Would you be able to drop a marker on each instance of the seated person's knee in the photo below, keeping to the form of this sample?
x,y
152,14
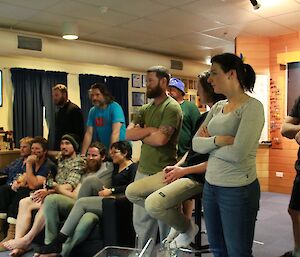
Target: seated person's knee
x,y
153,205
25,203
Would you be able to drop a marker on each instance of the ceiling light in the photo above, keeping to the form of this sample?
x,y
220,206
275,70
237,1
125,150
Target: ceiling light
x,y
255,4
70,31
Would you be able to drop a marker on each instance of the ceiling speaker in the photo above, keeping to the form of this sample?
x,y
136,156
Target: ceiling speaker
x,y
30,43
176,65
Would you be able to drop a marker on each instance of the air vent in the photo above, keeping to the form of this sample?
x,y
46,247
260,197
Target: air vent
x,y
30,43
176,65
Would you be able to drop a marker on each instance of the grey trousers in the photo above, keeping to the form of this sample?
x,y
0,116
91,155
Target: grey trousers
x,y
56,209
145,226
165,203
81,215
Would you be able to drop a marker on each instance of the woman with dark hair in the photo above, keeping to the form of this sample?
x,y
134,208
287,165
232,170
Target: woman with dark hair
x,y
230,135
176,184
122,175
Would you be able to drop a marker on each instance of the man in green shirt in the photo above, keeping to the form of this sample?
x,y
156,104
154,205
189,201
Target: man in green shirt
x,y
157,125
191,116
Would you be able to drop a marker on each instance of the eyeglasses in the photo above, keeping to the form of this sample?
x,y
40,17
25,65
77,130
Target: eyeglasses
x,y
114,152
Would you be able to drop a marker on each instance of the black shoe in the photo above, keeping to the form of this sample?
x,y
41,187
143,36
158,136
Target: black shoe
x,y
288,254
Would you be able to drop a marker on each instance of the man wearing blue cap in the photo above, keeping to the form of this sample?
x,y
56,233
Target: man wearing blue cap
x,y
191,116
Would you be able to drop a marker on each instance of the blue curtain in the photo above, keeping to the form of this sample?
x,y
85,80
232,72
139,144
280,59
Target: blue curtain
x,y
32,91
85,82
116,85
50,79
27,103
119,88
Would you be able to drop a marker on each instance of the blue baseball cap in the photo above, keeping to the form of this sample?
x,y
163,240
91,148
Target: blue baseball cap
x,y
174,82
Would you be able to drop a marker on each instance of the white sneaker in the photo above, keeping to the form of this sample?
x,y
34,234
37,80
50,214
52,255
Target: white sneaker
x,y
184,239
171,236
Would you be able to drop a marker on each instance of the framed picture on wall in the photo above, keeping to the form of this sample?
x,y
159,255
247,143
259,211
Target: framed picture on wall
x,y
193,98
136,80
144,80
138,98
1,91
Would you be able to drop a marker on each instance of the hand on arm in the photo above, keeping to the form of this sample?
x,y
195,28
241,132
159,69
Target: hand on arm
x,y
39,195
160,137
297,138
173,173
105,192
290,127
224,140
135,132
32,180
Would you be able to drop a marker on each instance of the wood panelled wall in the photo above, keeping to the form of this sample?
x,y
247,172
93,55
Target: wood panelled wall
x,y
282,159
256,52
262,53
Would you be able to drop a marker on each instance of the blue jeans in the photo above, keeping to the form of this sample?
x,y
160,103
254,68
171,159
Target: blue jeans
x,y
230,216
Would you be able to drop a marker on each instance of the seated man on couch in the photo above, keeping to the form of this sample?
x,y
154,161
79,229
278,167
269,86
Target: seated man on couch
x,y
11,171
31,176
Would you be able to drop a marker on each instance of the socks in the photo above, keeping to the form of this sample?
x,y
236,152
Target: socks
x,y
172,234
55,246
184,239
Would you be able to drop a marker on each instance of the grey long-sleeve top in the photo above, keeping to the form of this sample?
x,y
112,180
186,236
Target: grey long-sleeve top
x,y
232,165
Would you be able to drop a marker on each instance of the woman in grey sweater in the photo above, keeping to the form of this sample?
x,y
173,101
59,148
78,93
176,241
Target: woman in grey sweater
x,y
230,134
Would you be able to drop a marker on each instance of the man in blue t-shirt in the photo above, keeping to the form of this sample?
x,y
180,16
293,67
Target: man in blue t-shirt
x,y
106,117
37,167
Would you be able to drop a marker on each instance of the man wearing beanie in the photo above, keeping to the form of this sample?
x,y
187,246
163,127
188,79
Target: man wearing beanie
x,y
73,139
191,116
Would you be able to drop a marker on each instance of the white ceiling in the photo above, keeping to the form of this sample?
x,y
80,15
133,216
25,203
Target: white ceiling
x,y
193,29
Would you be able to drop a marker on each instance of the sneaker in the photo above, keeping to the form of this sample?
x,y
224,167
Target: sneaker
x,y
184,239
288,254
171,236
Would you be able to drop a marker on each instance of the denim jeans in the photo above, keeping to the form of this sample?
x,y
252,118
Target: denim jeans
x,y
230,215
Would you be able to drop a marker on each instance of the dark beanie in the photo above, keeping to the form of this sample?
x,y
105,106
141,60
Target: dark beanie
x,y
73,139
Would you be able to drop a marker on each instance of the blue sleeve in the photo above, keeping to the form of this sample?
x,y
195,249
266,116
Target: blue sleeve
x,y
47,167
117,113
90,119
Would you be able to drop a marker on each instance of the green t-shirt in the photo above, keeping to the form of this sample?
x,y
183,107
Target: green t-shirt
x,y
153,159
191,116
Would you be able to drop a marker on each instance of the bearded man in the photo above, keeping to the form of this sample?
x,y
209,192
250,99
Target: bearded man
x,y
68,117
157,125
106,117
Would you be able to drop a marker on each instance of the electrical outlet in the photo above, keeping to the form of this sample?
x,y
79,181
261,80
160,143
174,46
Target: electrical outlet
x,y
279,174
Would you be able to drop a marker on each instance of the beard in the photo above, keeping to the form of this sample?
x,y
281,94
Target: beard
x,y
93,165
99,103
154,92
60,101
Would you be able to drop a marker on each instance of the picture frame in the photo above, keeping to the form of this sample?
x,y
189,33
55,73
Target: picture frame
x,y
193,98
1,89
136,80
144,80
138,98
